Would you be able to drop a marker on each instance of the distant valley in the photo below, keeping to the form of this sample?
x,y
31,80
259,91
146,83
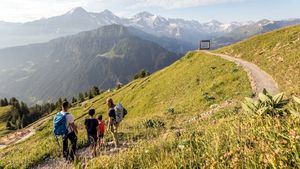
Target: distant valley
x,y
66,66
189,32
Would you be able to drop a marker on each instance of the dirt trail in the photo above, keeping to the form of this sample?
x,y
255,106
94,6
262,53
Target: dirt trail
x,y
259,79
84,155
30,130
23,134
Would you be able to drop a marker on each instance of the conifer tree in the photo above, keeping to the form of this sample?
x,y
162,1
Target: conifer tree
x,y
95,91
74,100
81,97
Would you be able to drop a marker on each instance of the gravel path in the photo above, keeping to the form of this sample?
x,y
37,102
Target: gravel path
x,y
84,155
23,134
259,79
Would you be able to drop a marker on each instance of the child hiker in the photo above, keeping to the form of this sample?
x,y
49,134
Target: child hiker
x,y
101,130
91,125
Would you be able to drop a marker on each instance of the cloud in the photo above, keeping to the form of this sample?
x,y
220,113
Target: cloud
x,y
27,10
173,4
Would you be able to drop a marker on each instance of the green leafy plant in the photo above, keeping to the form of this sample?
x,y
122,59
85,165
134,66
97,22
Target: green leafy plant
x,y
154,124
266,105
295,108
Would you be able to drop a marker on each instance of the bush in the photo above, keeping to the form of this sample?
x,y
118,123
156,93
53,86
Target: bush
x,y
295,108
141,74
267,105
154,124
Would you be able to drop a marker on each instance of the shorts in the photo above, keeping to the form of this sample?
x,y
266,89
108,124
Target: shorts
x,y
101,136
92,139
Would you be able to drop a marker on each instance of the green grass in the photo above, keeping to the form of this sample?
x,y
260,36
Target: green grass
x,y
189,87
228,139
3,119
277,52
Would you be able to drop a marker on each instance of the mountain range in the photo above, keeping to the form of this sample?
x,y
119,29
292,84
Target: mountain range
x,y
186,31
64,55
65,66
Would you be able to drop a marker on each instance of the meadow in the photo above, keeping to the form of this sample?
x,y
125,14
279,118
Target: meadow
x,y
277,52
170,97
3,119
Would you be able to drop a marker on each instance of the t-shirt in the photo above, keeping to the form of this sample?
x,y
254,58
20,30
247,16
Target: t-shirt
x,y
112,115
101,127
70,119
91,126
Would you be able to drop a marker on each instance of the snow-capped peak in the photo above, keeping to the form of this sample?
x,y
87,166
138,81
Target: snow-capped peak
x,y
107,12
77,10
264,22
143,15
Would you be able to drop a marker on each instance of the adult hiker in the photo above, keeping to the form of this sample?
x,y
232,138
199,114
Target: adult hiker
x,y
64,125
113,125
116,113
91,125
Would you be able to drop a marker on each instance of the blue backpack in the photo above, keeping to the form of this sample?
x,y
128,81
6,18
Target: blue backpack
x,y
60,127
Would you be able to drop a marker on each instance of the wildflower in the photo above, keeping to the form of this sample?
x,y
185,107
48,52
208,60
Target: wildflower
x,y
181,147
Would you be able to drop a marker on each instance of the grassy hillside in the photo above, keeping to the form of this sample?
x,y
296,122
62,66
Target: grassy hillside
x,y
171,97
278,53
3,119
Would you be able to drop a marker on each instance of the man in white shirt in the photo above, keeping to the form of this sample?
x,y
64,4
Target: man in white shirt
x,y
71,136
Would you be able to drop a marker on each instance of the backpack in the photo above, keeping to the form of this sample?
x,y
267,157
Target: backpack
x,y
60,127
121,112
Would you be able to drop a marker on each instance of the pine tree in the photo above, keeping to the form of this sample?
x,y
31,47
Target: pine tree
x,y
23,114
58,104
2,103
95,91
5,102
13,101
74,100
81,97
91,95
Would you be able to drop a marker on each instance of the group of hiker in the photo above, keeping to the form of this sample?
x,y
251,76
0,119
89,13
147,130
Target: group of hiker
x,y
64,126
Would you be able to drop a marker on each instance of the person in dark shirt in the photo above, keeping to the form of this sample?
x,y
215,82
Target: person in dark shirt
x,y
91,125
113,125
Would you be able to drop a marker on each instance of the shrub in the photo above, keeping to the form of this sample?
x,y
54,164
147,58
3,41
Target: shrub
x,y
154,124
141,74
295,109
267,105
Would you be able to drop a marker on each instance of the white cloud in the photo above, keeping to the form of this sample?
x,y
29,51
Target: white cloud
x,y
27,10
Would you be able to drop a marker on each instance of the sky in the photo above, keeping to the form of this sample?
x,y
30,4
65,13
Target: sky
x,y
200,10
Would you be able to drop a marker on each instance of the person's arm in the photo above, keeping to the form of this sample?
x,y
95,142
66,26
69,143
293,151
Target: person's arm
x,y
72,123
74,127
98,130
108,122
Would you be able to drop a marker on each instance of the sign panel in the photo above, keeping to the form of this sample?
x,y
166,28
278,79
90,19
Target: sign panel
x,y
204,45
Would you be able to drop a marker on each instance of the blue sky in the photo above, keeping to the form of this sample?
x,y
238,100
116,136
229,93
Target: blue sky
x,y
201,10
